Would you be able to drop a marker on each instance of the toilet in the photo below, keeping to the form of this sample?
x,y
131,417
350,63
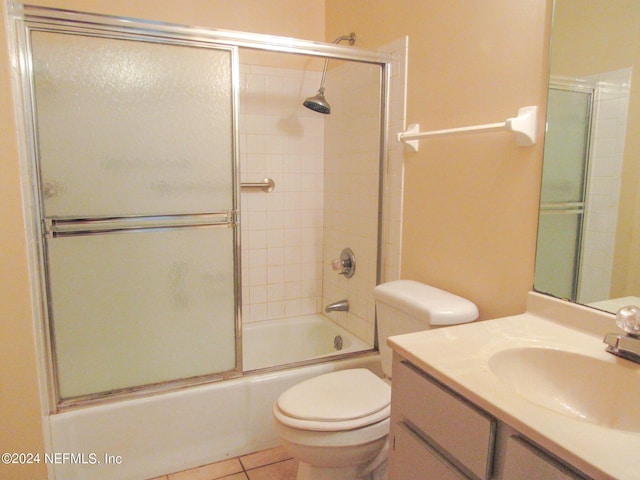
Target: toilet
x,y
337,424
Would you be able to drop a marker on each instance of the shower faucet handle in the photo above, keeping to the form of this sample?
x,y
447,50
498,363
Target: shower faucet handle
x,y
346,264
337,264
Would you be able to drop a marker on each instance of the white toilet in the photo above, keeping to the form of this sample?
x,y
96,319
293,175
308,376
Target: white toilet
x,y
337,424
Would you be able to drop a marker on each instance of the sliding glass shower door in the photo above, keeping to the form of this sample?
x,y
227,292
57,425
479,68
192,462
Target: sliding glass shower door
x,y
138,198
563,196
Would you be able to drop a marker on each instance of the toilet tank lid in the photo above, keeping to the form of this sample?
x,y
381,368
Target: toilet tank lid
x,y
437,307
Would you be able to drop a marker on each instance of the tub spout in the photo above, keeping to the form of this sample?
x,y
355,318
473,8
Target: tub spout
x,y
339,306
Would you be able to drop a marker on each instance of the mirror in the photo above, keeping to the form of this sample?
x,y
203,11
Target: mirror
x,y
588,249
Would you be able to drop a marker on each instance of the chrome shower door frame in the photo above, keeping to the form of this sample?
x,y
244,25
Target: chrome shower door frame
x,y
26,18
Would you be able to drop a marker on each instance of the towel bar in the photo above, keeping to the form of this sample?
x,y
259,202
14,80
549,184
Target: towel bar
x,y
524,126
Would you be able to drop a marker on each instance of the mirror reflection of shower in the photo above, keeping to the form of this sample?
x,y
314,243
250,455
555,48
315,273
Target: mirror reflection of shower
x,y
318,103
584,148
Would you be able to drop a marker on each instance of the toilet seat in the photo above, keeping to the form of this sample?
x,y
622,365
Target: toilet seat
x,y
341,438
343,400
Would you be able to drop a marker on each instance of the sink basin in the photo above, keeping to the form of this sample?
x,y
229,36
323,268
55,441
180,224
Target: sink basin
x,y
575,385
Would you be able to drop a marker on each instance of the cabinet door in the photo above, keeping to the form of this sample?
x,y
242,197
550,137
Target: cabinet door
x,y
523,460
414,459
457,428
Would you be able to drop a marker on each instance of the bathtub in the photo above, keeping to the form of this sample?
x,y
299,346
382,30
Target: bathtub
x,y
138,439
290,340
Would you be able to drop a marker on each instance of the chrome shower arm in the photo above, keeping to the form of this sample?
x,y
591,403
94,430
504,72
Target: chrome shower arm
x,y
318,103
351,38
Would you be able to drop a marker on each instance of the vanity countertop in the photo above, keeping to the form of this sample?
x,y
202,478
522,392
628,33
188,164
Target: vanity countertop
x,y
460,357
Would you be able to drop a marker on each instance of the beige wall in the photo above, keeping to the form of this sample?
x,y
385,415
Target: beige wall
x,y
471,203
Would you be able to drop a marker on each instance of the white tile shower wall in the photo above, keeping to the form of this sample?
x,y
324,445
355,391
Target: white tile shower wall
x,y
352,187
605,173
281,232
284,262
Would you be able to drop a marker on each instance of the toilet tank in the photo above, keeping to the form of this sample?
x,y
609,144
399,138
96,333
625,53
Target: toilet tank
x,y
406,306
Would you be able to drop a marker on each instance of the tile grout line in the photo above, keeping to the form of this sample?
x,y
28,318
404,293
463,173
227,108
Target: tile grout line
x,y
245,469
247,464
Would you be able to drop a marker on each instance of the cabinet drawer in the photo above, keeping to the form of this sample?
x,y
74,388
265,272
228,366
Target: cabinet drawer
x,y
462,432
413,459
523,460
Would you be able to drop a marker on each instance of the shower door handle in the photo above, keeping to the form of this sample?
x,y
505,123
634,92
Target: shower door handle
x,y
267,185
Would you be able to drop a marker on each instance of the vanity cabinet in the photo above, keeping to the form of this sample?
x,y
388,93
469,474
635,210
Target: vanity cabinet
x,y
448,427
437,434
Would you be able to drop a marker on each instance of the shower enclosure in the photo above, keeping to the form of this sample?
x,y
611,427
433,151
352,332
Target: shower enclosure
x,y
152,256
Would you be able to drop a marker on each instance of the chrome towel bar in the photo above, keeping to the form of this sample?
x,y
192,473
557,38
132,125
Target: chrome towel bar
x,y
267,185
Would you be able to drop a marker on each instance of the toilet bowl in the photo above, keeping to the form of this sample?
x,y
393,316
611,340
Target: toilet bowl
x,y
337,424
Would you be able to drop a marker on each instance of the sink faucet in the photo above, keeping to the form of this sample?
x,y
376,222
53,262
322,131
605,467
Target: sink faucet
x,y
626,346
339,306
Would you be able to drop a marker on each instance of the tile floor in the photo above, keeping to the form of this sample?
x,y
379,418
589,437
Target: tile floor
x,y
272,464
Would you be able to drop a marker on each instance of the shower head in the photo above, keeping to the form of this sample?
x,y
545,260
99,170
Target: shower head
x,y
318,103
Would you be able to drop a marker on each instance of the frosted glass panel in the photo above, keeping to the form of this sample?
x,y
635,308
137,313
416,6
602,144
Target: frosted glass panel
x,y
144,307
565,148
132,128
557,254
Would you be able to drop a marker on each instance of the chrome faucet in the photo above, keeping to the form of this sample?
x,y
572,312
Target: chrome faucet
x,y
339,306
626,346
